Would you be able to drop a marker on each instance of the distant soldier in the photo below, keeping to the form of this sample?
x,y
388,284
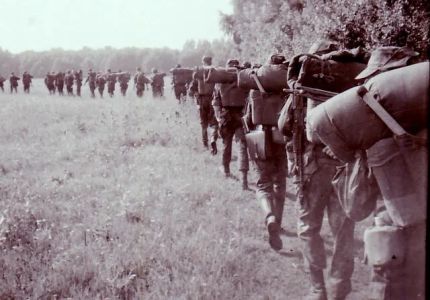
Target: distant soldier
x,y
50,83
179,85
100,82
2,80
228,103
157,83
204,93
59,82
111,80
139,81
26,81
13,79
123,79
91,79
68,79
78,81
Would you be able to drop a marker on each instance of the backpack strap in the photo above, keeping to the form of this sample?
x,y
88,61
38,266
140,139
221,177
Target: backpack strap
x,y
398,131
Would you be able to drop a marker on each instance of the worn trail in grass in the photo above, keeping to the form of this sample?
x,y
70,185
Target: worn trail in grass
x,y
117,198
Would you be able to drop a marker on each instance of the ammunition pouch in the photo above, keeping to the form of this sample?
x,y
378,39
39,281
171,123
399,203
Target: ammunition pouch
x,y
256,144
259,142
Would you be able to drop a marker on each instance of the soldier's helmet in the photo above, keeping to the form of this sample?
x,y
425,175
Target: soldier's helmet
x,y
276,59
154,70
90,70
178,65
232,63
108,70
207,60
138,69
386,58
12,73
323,46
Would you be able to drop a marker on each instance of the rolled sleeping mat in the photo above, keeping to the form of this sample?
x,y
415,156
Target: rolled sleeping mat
x,y
345,123
273,78
182,75
221,75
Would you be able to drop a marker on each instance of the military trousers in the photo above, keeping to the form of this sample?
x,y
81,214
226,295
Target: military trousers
x,y
123,87
319,196
180,91
272,182
230,127
207,118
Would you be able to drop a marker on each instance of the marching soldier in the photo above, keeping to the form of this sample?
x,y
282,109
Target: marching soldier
x,y
13,79
179,86
69,79
111,80
91,79
59,82
270,164
123,79
50,83
157,83
318,197
204,101
404,278
26,81
140,80
78,81
228,104
2,80
100,82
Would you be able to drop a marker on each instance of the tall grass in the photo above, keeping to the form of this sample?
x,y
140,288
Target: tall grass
x,y
116,198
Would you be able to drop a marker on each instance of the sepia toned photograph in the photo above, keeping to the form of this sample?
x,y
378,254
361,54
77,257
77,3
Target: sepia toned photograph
x,y
214,149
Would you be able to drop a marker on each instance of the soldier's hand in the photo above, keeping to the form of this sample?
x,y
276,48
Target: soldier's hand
x,y
326,150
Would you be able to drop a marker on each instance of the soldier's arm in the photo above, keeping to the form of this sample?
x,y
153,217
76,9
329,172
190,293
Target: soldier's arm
x,y
216,103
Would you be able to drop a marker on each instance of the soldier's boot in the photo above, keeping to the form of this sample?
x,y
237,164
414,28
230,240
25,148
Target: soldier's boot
x,y
226,170
245,181
214,149
273,228
318,290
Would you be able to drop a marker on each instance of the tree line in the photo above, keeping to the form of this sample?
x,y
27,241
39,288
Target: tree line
x,y
259,28
126,59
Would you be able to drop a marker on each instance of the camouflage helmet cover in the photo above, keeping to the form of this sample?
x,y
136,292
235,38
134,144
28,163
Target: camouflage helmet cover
x,y
386,58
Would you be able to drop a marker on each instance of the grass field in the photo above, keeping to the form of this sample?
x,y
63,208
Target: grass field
x,y
115,198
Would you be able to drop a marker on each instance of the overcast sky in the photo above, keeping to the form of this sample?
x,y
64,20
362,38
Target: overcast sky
x,y
72,24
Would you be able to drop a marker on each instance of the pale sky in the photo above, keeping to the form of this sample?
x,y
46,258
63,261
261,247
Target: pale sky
x,y
72,24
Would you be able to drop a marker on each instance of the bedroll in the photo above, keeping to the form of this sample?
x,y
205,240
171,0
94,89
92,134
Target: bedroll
x,y
273,78
345,123
221,75
182,75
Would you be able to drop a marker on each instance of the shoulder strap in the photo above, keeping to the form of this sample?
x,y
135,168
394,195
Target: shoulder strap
x,y
380,111
392,124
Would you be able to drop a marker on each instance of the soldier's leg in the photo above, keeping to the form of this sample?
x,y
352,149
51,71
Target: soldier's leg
x,y
342,263
310,217
227,134
204,123
214,127
243,156
279,180
264,193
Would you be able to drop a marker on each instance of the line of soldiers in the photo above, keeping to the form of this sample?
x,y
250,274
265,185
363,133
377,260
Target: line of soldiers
x,y
227,110
13,80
